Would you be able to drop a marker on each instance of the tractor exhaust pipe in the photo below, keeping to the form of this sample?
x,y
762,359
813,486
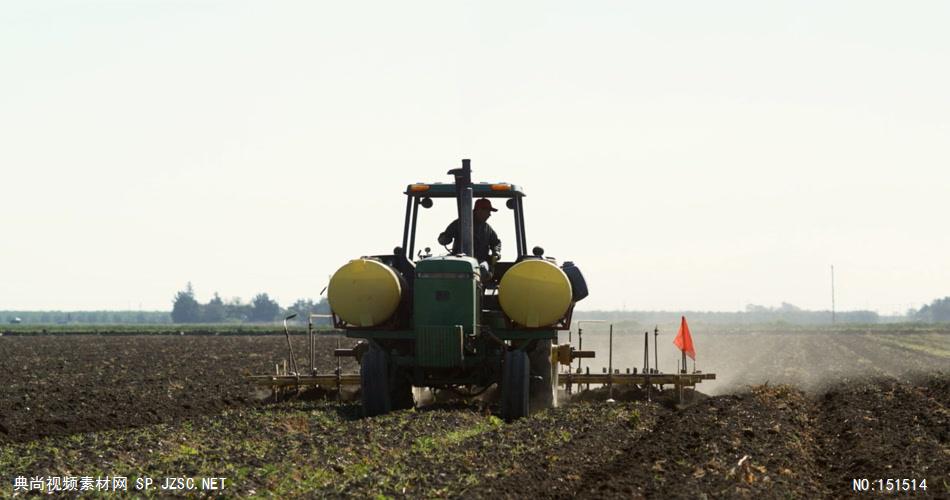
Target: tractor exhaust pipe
x,y
466,224
463,189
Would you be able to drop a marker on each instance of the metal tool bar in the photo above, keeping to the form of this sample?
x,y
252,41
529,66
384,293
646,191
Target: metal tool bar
x,y
580,338
290,346
331,380
638,379
313,366
610,360
312,338
646,352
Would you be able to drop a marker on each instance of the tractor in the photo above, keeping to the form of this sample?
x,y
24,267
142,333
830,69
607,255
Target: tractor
x,y
451,322
459,324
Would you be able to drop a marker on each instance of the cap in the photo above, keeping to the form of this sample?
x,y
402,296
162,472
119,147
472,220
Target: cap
x,y
484,204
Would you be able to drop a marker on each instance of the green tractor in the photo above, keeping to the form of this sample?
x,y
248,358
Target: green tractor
x,y
452,322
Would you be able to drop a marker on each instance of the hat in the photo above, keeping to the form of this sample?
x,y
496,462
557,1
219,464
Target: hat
x,y
484,204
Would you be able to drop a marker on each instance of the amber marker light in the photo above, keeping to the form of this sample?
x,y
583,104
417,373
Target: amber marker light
x,y
501,187
415,188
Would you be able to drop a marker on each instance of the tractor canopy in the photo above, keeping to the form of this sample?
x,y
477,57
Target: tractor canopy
x,y
479,190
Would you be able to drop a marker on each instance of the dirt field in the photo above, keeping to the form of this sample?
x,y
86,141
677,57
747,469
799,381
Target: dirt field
x,y
857,406
57,385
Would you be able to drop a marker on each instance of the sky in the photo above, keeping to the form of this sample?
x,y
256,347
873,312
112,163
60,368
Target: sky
x,y
686,155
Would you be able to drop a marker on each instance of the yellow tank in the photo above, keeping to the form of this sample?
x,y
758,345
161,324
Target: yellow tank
x,y
534,293
364,292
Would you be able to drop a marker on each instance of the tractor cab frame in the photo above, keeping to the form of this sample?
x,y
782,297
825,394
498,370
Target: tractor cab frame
x,y
421,194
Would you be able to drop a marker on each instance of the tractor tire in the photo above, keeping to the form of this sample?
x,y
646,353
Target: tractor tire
x,y
543,388
375,382
514,385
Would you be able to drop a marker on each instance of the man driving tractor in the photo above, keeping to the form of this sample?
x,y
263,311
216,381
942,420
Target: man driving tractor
x,y
484,238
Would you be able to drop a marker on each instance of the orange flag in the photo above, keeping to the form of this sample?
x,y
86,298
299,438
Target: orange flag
x,y
684,340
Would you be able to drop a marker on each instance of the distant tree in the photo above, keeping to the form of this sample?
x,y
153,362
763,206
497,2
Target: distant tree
x,y
937,311
859,317
322,307
214,311
940,309
263,308
236,310
305,307
302,308
185,309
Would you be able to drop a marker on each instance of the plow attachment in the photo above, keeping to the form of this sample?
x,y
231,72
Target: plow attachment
x,y
287,380
336,382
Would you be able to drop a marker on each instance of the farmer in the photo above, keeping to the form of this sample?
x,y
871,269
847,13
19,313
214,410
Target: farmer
x,y
484,236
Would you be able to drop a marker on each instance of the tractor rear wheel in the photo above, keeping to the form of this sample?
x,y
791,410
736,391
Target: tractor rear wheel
x,y
543,384
514,385
374,382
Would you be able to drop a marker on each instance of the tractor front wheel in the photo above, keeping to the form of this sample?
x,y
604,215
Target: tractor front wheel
x,y
515,385
382,388
374,382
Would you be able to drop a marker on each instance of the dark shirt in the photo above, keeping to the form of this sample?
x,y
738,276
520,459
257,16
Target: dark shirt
x,y
483,235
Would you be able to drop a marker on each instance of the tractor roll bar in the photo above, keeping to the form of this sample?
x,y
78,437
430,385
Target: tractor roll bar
x,y
519,227
412,235
405,227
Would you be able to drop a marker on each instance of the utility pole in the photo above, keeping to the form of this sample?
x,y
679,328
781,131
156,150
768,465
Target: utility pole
x,y
832,294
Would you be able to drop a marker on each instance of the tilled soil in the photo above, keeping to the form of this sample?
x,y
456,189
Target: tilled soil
x,y
886,429
780,442
765,440
58,385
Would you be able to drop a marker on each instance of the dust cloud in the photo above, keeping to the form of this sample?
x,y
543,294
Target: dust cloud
x,y
810,360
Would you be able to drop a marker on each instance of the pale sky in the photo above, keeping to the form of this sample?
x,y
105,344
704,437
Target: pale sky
x,y
686,155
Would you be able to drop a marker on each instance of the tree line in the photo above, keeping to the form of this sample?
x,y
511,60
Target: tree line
x,y
937,311
752,315
186,309
261,309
